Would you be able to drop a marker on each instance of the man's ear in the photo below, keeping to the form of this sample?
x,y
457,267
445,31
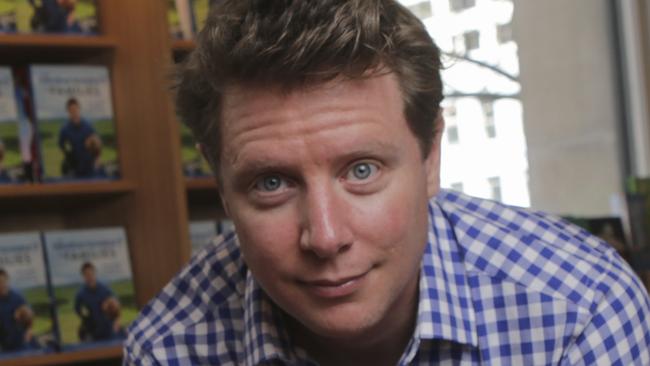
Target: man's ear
x,y
199,146
432,162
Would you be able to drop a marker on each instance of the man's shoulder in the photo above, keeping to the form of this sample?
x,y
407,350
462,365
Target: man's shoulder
x,y
538,251
208,292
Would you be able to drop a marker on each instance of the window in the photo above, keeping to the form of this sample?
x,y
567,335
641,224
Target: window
x,y
471,40
488,113
504,33
495,188
422,9
460,5
458,186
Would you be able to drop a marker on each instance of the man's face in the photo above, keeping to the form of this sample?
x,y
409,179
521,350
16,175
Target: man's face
x,y
90,278
74,113
328,189
4,285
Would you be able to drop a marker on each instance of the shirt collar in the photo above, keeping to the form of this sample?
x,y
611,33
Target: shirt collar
x,y
265,336
445,310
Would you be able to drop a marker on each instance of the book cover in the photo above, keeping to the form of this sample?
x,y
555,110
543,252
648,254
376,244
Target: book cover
x,y
200,11
8,16
16,131
194,164
91,280
638,203
57,16
179,16
10,159
26,325
201,234
74,113
174,20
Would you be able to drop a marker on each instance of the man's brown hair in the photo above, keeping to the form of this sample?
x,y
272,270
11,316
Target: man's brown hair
x,y
294,43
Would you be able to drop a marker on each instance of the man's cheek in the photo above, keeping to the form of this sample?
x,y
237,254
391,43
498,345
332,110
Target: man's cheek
x,y
267,239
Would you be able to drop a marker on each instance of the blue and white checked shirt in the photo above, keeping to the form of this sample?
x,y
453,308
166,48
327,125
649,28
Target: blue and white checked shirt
x,y
498,286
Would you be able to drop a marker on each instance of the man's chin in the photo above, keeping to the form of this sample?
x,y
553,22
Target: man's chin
x,y
342,324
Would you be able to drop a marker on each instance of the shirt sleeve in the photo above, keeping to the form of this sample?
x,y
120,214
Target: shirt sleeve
x,y
134,355
619,330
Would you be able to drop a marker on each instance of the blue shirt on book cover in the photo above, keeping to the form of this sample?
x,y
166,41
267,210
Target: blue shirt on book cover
x,y
88,305
54,18
78,158
12,335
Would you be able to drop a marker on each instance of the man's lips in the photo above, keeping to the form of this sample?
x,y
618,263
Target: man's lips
x,y
334,288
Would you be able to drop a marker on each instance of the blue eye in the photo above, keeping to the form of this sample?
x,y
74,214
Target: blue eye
x,y
269,184
362,171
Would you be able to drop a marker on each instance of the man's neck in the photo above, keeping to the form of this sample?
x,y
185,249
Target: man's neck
x,y
384,344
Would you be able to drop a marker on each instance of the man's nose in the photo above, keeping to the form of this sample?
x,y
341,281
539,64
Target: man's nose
x,y
325,231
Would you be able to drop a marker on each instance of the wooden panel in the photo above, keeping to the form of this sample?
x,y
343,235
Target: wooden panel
x,y
149,141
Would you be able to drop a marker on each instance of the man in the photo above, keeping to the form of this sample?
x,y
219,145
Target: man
x,y
74,140
321,120
57,16
15,318
97,307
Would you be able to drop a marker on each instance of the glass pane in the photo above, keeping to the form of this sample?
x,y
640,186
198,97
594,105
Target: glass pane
x,y
485,134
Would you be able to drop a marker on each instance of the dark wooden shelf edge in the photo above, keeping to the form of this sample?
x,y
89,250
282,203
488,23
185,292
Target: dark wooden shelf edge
x,y
200,184
57,40
107,353
66,189
183,45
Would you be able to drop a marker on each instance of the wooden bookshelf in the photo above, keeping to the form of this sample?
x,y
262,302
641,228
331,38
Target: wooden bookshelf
x,y
68,358
150,200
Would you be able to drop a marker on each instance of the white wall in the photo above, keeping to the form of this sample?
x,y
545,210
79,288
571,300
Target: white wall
x,y
570,103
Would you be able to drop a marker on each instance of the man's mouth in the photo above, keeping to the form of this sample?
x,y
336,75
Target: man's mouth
x,y
332,288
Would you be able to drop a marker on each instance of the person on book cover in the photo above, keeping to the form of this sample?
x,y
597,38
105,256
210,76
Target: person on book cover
x,y
80,144
322,121
55,16
97,307
16,318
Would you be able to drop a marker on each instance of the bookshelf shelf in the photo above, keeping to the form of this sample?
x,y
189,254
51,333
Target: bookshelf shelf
x,y
201,184
57,41
87,356
183,45
65,189
43,48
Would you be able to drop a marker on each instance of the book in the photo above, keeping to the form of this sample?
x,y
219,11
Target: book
x,y
57,16
200,11
17,143
74,114
26,326
174,20
638,203
179,17
92,284
29,147
7,16
201,234
10,159
194,164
